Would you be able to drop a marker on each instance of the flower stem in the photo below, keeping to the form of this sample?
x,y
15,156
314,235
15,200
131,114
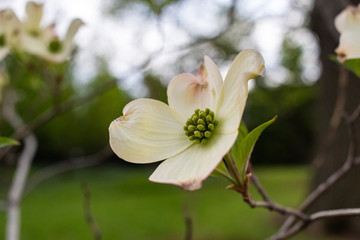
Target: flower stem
x,y
231,165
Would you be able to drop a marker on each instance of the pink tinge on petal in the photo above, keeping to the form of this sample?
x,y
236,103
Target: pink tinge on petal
x,y
187,92
349,47
189,168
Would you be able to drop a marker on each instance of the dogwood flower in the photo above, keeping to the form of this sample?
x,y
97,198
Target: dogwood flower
x,y
43,41
348,25
9,31
196,129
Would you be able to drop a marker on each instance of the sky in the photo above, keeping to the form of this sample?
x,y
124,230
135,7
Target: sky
x,y
126,39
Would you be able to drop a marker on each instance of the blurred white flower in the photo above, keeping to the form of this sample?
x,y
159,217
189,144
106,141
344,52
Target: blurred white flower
x,y
196,129
348,25
43,41
9,32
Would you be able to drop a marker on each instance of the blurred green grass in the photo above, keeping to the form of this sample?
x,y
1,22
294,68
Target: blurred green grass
x,y
128,206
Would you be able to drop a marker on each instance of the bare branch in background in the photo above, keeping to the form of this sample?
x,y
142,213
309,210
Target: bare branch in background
x,y
188,224
87,212
67,165
336,116
288,228
259,188
278,208
335,213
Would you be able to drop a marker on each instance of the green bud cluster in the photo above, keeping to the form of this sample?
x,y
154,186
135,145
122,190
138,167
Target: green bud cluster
x,y
200,126
55,46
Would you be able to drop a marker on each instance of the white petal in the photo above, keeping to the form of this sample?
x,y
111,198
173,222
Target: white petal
x,y
34,13
349,47
11,27
70,34
348,19
187,92
248,64
149,131
3,52
39,45
35,45
189,168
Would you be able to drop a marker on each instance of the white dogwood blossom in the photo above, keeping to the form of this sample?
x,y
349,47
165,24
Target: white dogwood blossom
x,y
43,41
9,32
196,130
348,25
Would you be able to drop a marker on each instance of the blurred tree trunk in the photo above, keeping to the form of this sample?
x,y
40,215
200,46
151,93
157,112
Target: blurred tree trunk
x,y
346,192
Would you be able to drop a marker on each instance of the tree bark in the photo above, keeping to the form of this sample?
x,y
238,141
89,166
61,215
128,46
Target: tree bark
x,y
332,154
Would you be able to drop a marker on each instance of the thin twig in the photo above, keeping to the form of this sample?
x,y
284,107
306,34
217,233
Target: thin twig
x,y
335,213
87,212
188,224
314,217
65,166
259,188
267,203
278,208
293,230
351,160
335,118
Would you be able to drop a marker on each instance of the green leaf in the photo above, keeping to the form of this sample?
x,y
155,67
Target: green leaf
x,y
4,142
243,131
221,171
350,64
242,149
353,65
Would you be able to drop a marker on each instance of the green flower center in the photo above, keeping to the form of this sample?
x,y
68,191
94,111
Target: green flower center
x,y
201,126
55,46
2,40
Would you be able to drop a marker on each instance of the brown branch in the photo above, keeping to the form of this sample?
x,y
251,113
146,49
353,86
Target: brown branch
x,y
267,203
259,188
293,230
335,213
335,118
314,217
352,160
277,208
87,212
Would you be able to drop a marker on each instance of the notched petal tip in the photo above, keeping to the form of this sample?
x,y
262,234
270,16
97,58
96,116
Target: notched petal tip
x,y
341,55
